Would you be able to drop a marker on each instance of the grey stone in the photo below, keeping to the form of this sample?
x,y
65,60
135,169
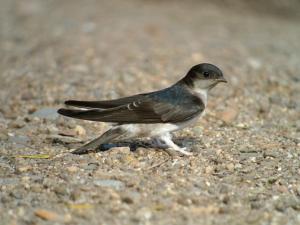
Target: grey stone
x,y
8,181
19,139
116,184
46,113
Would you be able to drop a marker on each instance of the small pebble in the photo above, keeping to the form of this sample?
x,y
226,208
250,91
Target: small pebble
x,y
79,130
72,169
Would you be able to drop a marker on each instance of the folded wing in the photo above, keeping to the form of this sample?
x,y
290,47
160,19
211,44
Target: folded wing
x,y
102,104
172,106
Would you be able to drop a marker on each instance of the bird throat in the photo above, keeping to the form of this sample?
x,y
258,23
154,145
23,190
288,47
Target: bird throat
x,y
202,94
198,90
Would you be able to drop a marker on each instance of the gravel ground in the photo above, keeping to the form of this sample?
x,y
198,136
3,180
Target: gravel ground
x,y
245,167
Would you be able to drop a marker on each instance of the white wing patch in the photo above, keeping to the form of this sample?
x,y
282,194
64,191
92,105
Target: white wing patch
x,y
133,105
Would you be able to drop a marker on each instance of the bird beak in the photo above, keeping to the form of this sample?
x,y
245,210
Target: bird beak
x,y
222,80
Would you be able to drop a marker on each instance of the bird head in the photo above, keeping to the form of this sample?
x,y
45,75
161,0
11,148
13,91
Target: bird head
x,y
203,76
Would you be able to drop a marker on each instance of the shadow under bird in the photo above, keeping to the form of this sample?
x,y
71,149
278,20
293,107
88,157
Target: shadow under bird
x,y
154,114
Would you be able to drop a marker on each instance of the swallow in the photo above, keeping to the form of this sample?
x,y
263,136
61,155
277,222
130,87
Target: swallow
x,y
153,115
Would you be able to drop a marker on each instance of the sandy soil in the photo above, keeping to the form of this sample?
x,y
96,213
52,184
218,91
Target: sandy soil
x,y
245,167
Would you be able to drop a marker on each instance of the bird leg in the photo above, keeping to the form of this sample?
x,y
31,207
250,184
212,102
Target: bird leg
x,y
167,139
158,143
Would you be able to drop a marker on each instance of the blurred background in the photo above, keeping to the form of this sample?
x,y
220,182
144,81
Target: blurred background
x,y
80,49
246,162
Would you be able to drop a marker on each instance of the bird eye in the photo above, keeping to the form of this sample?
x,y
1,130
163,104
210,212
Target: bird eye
x,y
206,74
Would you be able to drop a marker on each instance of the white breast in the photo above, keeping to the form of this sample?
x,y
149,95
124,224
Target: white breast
x,y
202,93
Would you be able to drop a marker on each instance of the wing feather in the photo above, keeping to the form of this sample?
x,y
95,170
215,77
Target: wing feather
x,y
171,106
102,104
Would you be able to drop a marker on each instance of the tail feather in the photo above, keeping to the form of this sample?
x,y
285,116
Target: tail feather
x,y
69,112
92,114
91,104
106,104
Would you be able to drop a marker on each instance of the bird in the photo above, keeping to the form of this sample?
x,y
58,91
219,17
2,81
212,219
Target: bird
x,y
155,115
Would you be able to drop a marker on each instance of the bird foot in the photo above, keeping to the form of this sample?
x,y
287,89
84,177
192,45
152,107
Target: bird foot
x,y
183,151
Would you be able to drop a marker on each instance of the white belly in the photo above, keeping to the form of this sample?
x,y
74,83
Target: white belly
x,y
158,129
149,130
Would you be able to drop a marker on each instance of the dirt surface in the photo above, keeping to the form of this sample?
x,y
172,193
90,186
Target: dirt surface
x,y
245,167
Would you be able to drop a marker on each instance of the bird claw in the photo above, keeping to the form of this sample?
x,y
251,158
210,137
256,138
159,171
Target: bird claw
x,y
182,151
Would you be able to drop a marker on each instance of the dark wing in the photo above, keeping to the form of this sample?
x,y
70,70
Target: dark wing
x,y
102,104
167,106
